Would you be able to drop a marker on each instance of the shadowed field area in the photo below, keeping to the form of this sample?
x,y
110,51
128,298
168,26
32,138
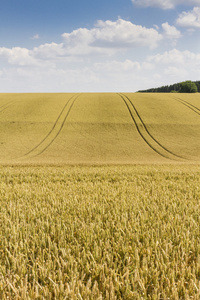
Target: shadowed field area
x,y
99,128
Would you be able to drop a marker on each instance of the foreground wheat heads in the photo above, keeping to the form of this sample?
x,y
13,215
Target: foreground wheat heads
x,y
100,232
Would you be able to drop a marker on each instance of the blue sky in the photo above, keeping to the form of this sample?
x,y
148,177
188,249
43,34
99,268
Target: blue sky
x,y
97,45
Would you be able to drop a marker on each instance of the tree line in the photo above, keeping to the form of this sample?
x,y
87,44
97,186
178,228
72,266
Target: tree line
x,y
181,87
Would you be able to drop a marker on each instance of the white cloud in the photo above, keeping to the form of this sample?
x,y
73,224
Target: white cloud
x,y
165,4
111,75
98,59
177,65
111,35
47,51
190,18
175,57
18,56
24,57
118,66
175,72
170,31
48,80
156,70
164,58
106,38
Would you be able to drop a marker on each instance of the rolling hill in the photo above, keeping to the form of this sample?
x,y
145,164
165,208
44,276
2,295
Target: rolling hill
x,y
99,128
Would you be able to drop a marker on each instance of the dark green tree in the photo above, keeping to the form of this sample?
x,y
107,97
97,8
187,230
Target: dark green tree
x,y
182,87
198,85
188,87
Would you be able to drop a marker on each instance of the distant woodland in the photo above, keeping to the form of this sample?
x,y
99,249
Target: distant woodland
x,y
181,87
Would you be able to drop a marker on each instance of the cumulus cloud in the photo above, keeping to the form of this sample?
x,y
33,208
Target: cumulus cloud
x,y
176,57
107,75
156,70
98,59
76,62
165,4
170,31
176,66
105,38
112,35
48,51
190,18
19,56
23,57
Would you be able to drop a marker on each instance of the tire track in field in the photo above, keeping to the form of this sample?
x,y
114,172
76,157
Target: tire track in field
x,y
190,106
5,106
145,134
55,130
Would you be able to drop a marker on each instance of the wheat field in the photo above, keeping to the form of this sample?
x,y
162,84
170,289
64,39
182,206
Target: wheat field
x,y
100,196
112,232
99,128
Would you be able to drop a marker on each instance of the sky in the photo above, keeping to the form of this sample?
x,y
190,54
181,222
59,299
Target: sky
x,y
97,45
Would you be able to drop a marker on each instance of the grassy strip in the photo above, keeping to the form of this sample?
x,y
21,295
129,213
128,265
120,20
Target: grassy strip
x,y
100,232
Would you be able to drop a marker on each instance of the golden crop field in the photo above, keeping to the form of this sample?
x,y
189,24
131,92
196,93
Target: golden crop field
x,y
112,232
99,128
100,196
